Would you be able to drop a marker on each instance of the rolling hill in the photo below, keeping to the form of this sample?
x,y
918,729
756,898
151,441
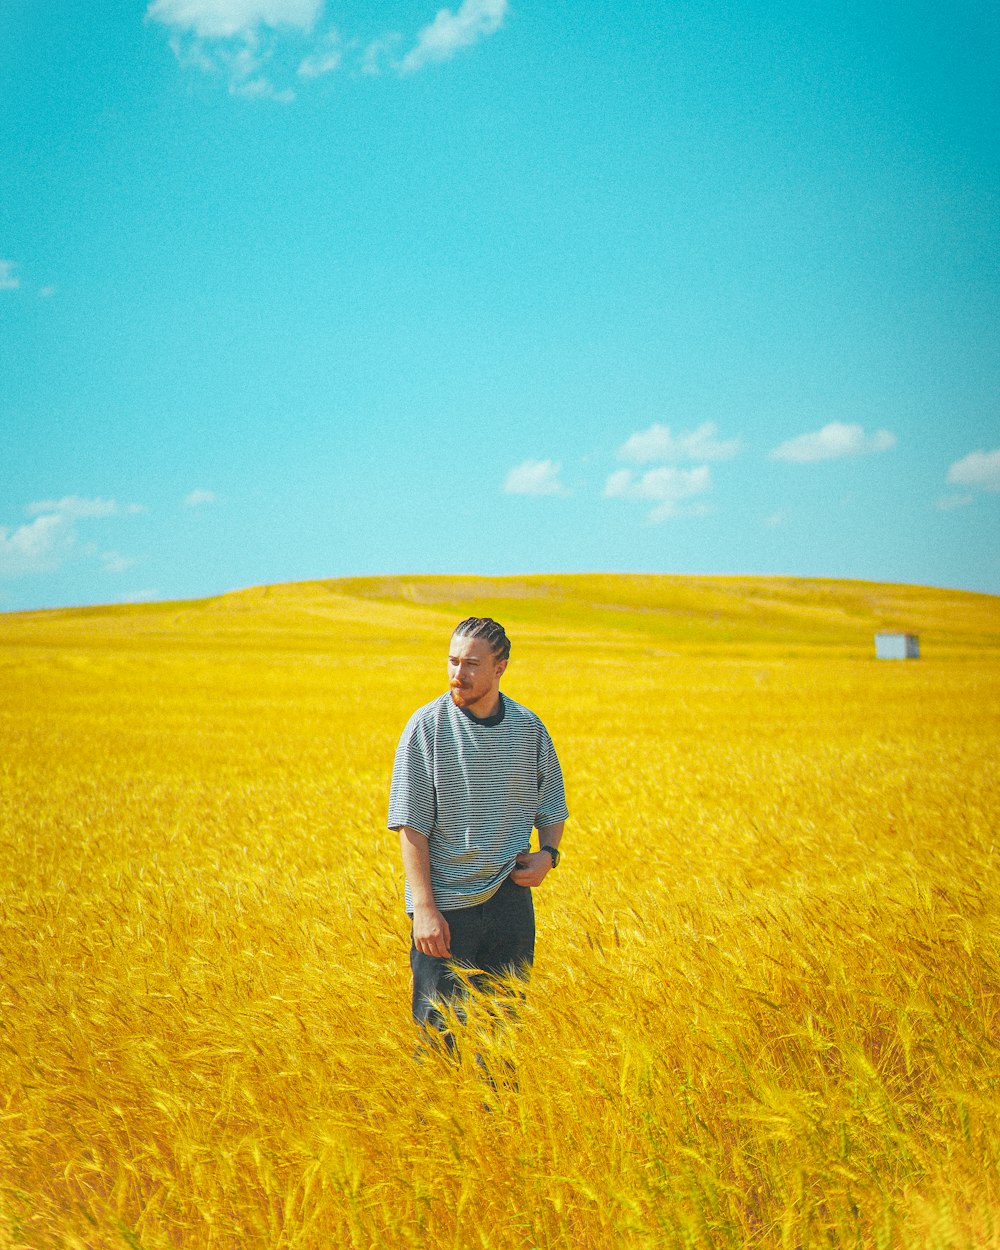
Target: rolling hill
x,y
674,612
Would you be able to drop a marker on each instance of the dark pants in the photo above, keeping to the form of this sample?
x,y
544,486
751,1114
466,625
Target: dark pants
x,y
496,939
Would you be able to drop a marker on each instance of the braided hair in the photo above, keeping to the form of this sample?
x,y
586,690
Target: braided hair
x,y
490,630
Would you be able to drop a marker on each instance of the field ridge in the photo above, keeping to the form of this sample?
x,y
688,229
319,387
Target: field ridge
x,y
661,609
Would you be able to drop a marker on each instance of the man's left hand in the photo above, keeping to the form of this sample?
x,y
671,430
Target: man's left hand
x,y
531,867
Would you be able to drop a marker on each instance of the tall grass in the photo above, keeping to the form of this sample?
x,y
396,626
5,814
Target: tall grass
x,y
766,1008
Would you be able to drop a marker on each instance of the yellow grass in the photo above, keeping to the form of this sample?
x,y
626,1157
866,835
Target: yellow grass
x,y
766,1009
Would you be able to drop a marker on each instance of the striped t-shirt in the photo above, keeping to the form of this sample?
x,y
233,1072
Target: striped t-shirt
x,y
474,788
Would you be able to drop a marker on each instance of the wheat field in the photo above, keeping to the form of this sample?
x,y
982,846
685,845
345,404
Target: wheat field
x,y
766,1005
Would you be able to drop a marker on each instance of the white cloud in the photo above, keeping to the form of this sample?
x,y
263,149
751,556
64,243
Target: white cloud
x,y
262,89
327,56
227,19
378,51
139,596
37,547
46,292
442,38
241,60
114,562
199,498
833,442
46,542
238,39
193,54
667,487
659,444
979,469
9,281
948,503
534,477
74,508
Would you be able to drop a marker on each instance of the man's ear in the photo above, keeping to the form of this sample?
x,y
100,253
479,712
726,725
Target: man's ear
x,y
501,666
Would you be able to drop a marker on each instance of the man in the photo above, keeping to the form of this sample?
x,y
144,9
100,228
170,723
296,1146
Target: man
x,y
474,772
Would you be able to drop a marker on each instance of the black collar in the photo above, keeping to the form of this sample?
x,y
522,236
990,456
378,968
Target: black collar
x,y
487,722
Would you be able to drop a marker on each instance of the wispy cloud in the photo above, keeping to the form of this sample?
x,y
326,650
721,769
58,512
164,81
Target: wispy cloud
x,y
325,57
534,477
658,443
264,47
227,19
442,38
241,59
979,470
948,503
833,442
10,280
668,488
75,509
199,498
37,547
380,54
115,562
139,596
44,543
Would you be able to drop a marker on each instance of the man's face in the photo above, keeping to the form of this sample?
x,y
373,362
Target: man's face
x,y
473,672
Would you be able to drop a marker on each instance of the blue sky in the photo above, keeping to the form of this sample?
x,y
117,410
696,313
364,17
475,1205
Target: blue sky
x,y
293,289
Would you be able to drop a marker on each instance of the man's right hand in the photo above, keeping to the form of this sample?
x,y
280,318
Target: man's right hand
x,y
431,935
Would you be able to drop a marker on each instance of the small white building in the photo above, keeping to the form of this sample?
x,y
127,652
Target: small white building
x,y
889,646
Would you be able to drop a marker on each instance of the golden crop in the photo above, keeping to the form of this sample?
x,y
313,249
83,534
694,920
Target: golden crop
x,y
766,1007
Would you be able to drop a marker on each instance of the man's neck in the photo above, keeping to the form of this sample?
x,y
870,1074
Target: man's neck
x,y
485,707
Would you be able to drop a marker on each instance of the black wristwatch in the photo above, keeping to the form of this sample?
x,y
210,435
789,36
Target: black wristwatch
x,y
556,857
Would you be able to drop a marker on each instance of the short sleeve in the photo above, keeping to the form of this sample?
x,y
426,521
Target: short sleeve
x,y
551,793
411,795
